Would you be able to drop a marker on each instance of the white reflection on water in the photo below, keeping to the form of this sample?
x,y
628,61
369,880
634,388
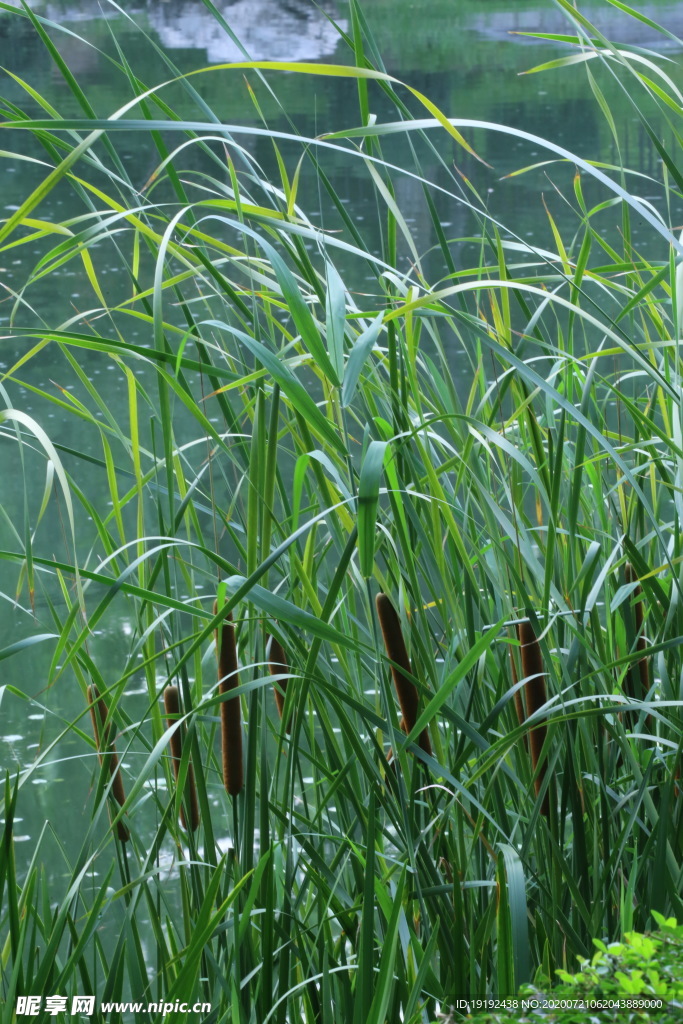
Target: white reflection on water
x,y
268,29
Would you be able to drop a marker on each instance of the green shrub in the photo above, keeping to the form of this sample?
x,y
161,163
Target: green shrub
x,y
641,969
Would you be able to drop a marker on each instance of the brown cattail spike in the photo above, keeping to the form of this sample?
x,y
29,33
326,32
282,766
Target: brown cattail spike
x,y
231,710
535,694
406,690
277,664
642,667
99,713
172,706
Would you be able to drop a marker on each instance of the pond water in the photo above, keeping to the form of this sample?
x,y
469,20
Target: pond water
x,y
462,55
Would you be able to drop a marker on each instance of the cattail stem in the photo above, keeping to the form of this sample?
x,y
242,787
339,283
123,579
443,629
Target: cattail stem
x,y
406,691
535,694
106,749
642,666
172,706
231,710
277,665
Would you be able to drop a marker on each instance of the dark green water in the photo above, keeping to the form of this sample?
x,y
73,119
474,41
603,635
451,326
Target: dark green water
x,y
461,55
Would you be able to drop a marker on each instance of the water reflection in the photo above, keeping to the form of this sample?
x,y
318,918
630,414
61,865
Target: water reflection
x,y
301,30
498,24
267,29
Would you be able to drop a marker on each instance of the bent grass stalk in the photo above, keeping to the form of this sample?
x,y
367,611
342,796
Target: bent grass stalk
x,y
172,707
390,751
106,749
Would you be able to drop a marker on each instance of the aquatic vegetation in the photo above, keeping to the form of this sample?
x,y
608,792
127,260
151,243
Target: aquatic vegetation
x,y
106,752
189,790
279,666
406,690
319,414
535,698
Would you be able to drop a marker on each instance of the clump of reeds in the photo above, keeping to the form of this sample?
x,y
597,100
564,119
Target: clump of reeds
x,y
278,666
172,706
231,710
535,698
406,690
99,712
641,668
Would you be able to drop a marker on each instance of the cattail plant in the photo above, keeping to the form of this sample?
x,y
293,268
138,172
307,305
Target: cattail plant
x,y
641,669
99,712
535,695
406,690
277,664
172,706
231,710
517,696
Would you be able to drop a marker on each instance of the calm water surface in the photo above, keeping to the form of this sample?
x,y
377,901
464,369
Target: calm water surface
x,y
462,55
